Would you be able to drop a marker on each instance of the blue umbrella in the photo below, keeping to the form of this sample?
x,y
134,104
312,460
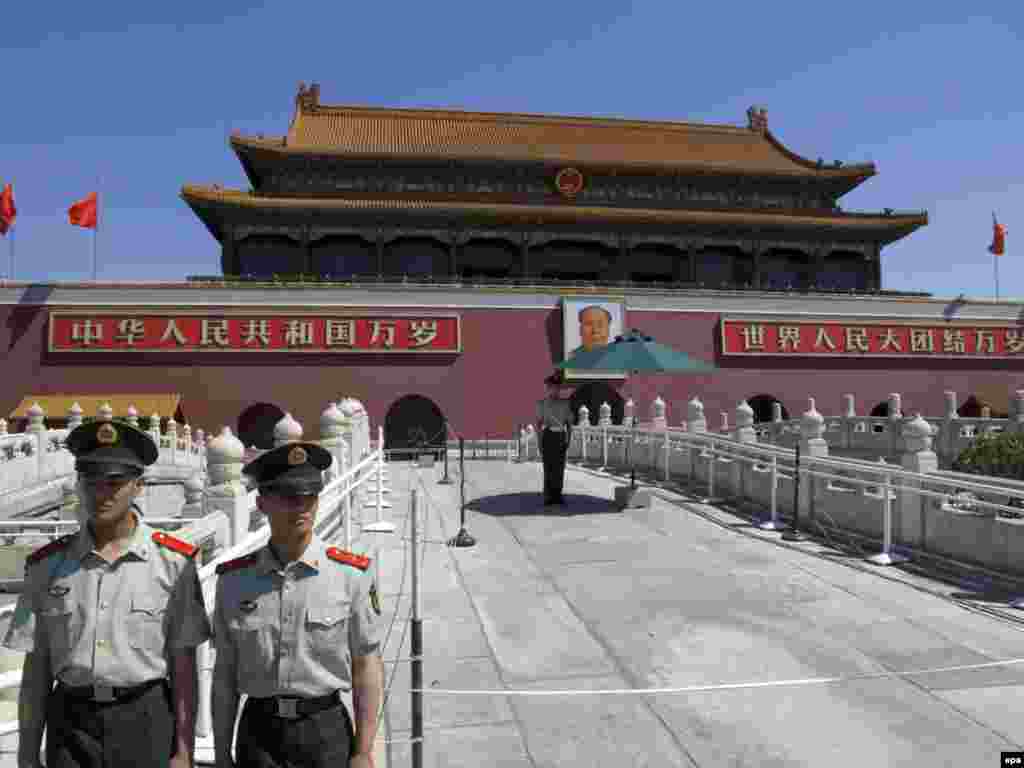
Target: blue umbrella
x,y
636,352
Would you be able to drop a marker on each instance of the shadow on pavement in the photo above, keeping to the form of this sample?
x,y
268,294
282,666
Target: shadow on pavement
x,y
515,504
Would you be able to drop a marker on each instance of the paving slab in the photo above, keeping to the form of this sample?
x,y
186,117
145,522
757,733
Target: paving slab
x,y
494,746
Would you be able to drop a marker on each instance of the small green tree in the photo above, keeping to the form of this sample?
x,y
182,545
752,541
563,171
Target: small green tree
x,y
993,454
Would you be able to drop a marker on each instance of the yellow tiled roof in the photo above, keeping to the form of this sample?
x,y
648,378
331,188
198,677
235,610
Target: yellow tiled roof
x,y
56,406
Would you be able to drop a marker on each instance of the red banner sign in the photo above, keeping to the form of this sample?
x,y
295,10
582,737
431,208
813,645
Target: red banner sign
x,y
148,332
858,339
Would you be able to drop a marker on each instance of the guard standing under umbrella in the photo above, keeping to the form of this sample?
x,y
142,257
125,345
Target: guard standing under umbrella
x,y
554,425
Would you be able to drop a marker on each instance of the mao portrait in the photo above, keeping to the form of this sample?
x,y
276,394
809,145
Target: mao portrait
x,y
589,324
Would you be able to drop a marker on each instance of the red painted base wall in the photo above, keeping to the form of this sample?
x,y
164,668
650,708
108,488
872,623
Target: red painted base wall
x,y
488,389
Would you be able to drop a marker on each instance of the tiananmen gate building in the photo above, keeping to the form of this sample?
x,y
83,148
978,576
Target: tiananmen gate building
x,y
436,264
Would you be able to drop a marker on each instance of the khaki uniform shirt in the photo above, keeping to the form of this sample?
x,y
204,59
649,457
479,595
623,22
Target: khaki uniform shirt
x,y
292,630
554,413
101,623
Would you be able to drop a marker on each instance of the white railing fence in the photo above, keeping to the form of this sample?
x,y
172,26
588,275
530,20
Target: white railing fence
x,y
38,455
910,506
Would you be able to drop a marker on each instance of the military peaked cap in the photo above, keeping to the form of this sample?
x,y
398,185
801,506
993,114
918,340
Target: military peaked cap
x,y
292,469
104,448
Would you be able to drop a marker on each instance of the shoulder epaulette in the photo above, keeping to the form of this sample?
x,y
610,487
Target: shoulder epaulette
x,y
174,543
48,549
238,562
348,558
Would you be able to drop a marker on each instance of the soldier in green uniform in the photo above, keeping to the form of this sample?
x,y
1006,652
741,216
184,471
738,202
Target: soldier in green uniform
x,y
113,615
295,624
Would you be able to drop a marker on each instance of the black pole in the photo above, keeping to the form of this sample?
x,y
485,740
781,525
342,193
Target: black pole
x,y
444,480
793,534
417,698
462,538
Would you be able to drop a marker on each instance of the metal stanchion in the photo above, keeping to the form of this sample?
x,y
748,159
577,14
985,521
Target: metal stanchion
x,y
417,643
793,534
886,556
462,538
445,480
773,524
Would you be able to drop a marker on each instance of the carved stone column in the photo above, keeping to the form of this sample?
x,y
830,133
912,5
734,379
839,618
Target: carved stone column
x,y
875,269
453,253
755,254
306,267
691,250
524,255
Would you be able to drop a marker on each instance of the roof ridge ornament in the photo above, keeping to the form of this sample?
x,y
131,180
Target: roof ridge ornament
x,y
757,119
308,98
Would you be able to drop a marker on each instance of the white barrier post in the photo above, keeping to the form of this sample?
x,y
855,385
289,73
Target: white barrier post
x,y
380,526
885,557
773,524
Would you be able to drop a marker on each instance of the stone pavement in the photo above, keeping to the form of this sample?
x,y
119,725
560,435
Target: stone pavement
x,y
676,595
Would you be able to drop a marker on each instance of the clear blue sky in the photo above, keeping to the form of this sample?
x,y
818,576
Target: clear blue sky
x,y
146,94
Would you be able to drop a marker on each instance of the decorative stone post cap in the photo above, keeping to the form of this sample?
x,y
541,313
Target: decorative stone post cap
x,y
35,411
132,413
74,410
811,415
225,448
331,417
287,430
347,406
917,427
105,412
154,421
744,414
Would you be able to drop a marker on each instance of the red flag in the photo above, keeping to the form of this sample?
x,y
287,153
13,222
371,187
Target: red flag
x,y
7,210
998,246
83,213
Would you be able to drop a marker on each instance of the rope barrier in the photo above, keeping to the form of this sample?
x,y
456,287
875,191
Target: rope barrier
x,y
723,686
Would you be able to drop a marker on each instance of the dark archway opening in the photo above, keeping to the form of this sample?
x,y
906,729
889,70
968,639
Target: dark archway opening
x,y
411,422
971,409
593,394
880,411
256,425
762,407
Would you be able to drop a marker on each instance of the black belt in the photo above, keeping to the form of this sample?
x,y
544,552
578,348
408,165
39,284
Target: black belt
x,y
291,707
109,694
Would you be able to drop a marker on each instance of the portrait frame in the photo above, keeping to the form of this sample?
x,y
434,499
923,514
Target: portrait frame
x,y
572,306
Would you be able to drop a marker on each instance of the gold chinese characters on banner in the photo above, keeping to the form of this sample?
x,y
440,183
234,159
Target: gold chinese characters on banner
x,y
182,332
870,339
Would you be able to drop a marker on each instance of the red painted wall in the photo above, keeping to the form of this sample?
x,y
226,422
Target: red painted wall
x,y
488,389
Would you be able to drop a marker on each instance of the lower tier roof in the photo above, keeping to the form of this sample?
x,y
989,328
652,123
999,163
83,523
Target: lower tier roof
x,y
215,204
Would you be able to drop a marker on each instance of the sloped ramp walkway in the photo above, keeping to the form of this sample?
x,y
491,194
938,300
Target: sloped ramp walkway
x,y
675,596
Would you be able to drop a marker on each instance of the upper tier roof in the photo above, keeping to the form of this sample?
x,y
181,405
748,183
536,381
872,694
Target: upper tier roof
x,y
589,142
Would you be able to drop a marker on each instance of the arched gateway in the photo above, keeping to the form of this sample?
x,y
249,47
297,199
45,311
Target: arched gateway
x,y
411,421
593,394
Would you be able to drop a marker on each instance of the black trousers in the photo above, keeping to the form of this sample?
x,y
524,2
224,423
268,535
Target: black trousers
x,y
323,739
554,446
134,733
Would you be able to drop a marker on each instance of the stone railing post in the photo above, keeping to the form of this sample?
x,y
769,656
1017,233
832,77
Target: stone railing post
x,y
775,430
531,441
133,416
725,423
659,418
105,413
656,447
332,424
950,429
172,439
696,424
745,433
37,430
895,417
918,457
1017,412
74,416
154,428
287,430
3,427
193,506
604,415
627,415
848,439
348,429
812,445
583,431
226,493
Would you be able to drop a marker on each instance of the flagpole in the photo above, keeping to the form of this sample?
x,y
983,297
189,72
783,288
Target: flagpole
x,y
995,264
96,229
12,252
